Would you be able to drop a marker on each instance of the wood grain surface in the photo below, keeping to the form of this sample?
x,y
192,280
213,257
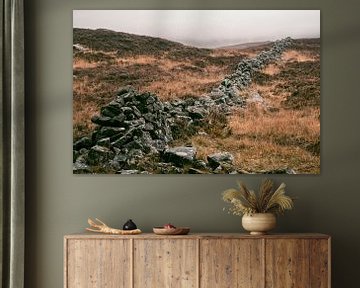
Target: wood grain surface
x,y
197,260
231,263
287,263
98,263
165,263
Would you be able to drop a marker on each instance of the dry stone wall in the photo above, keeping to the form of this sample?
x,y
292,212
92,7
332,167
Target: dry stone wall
x,y
137,127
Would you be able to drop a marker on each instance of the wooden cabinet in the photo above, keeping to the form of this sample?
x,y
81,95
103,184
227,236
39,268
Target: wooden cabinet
x,y
197,260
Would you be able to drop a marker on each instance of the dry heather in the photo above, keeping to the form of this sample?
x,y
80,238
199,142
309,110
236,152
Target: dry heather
x,y
98,81
281,132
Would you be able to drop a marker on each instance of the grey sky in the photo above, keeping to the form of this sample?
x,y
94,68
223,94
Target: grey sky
x,y
205,28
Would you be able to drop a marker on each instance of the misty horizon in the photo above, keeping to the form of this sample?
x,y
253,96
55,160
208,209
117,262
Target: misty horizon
x,y
205,28
197,44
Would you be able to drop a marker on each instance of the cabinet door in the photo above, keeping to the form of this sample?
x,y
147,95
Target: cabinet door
x,y
167,263
320,263
98,263
231,263
287,263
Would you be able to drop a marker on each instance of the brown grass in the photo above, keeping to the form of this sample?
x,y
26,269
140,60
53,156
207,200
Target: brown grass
x,y
168,78
262,140
303,56
182,85
257,123
81,119
84,64
271,69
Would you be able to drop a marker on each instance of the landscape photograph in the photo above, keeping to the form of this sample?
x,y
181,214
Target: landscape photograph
x,y
196,92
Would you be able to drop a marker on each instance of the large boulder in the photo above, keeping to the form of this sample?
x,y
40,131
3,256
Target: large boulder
x,y
217,159
180,156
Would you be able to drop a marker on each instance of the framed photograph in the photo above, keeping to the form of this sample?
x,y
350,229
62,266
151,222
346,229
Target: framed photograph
x,y
196,92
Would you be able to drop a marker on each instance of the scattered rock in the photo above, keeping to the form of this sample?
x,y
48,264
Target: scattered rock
x,y
180,156
278,171
215,160
80,166
129,172
105,142
84,142
99,155
196,171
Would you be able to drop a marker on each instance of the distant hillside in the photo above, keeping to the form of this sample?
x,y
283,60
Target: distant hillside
x,y
246,45
308,44
131,44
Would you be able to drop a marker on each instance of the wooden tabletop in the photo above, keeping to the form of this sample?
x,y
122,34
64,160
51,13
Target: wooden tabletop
x,y
89,235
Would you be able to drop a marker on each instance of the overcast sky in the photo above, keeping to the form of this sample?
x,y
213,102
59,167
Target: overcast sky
x,y
205,28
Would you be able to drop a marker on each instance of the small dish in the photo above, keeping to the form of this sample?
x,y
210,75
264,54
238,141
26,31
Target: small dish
x,y
171,231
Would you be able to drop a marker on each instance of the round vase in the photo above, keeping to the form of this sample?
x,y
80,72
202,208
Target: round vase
x,y
259,223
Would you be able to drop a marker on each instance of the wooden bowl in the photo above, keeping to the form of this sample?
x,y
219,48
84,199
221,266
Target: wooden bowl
x,y
171,231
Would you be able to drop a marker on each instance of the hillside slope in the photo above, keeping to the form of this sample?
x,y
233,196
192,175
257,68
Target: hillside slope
x,y
125,44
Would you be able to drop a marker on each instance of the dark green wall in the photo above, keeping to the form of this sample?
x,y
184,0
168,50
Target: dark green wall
x,y
59,203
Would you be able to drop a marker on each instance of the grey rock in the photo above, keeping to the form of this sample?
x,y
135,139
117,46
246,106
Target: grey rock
x,y
111,110
196,112
200,164
149,126
99,155
115,165
116,121
83,151
136,111
134,145
127,110
279,171
180,156
150,118
112,132
134,123
142,97
129,172
84,142
196,171
105,142
130,96
80,167
159,145
135,153
218,170
150,100
217,159
121,158
101,120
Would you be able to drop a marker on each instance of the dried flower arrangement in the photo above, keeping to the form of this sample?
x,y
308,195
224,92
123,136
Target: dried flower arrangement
x,y
246,202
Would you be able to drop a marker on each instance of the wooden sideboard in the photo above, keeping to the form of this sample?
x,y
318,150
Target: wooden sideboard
x,y
197,260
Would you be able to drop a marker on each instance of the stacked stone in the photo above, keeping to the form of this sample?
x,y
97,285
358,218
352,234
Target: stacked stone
x,y
132,125
241,78
135,125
